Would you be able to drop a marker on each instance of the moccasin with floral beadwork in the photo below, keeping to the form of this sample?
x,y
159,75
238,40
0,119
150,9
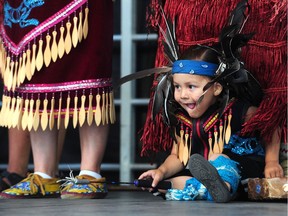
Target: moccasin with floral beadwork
x,y
94,188
34,186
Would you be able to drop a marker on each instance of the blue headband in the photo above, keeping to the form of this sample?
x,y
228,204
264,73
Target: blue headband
x,y
194,67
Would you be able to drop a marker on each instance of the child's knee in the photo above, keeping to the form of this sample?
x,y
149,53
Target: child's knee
x,y
213,157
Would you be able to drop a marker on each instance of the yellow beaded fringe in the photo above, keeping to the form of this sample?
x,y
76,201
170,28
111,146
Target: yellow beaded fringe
x,y
221,131
25,113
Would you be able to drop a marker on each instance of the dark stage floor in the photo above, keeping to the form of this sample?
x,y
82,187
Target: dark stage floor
x,y
137,203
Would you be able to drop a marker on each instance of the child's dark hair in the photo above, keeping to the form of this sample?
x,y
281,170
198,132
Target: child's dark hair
x,y
203,53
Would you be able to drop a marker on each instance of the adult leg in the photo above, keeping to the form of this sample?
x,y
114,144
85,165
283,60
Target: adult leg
x,y
41,183
93,140
19,153
60,144
44,148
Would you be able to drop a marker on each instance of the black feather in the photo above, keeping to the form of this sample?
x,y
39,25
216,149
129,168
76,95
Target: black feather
x,y
224,99
238,17
240,40
161,92
167,92
140,74
167,52
227,38
171,47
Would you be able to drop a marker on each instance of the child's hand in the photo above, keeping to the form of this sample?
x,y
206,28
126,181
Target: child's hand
x,y
273,170
155,174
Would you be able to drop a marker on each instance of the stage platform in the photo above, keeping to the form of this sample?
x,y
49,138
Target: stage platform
x,y
138,203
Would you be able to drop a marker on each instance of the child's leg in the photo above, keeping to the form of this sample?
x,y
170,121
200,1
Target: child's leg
x,y
193,190
214,174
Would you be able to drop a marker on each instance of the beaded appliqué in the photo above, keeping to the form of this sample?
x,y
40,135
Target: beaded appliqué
x,y
20,14
245,146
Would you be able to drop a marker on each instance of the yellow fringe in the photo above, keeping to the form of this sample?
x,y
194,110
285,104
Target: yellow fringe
x,y
26,114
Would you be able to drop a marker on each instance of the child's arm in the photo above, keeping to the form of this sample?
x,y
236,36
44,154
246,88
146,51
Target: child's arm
x,y
171,166
272,167
272,150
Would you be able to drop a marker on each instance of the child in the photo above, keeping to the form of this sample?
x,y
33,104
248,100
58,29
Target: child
x,y
199,130
213,96
200,22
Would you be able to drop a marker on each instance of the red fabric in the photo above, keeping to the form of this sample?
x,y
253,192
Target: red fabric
x,y
200,22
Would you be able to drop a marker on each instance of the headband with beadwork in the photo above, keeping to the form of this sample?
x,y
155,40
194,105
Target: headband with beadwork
x,y
194,67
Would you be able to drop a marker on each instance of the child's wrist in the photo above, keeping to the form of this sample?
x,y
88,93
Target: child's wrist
x,y
272,161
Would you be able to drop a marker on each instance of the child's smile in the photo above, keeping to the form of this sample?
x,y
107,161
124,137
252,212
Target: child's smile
x,y
188,90
191,105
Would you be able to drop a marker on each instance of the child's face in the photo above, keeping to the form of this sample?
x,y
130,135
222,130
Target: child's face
x,y
188,90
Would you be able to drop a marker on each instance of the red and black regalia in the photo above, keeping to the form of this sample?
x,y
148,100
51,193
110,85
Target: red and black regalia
x,y
56,63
